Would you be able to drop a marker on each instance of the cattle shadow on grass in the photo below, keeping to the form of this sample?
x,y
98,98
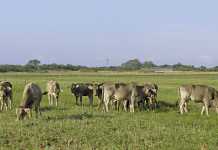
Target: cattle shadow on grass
x,y
81,116
164,106
50,108
46,108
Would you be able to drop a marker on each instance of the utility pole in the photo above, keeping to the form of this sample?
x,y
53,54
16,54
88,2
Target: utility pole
x,y
107,62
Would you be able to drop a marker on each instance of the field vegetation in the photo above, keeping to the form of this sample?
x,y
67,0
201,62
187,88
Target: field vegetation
x,y
83,127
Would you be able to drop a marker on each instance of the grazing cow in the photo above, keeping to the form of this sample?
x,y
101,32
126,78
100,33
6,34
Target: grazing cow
x,y
5,95
151,101
32,96
124,93
82,89
54,90
199,94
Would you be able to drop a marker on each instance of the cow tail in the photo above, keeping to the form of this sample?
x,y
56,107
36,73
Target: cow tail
x,y
179,96
45,93
102,97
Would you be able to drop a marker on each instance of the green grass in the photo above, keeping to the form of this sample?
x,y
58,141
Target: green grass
x,y
74,127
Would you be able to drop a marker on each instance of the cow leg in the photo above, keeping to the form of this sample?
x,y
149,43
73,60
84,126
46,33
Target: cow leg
x,y
143,107
186,107
116,105
77,100
6,105
2,105
91,100
106,102
49,99
37,111
147,104
10,103
181,105
53,99
202,110
56,100
81,99
100,104
207,108
125,105
131,105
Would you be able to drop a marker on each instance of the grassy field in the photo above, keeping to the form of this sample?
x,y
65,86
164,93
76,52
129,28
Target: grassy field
x,y
73,127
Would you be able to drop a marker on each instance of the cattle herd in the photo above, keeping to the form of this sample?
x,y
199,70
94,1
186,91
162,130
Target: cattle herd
x,y
110,95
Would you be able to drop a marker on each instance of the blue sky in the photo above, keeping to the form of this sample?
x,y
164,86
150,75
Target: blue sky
x,y
87,32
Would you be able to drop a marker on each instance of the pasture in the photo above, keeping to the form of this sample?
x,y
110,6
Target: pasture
x,y
74,127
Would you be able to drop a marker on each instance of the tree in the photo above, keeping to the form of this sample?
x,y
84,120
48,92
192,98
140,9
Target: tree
x,y
33,64
132,64
148,64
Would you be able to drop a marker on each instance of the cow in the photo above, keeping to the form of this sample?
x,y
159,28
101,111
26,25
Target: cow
x,y
5,95
98,87
53,88
140,94
111,95
31,99
199,94
82,89
151,101
131,94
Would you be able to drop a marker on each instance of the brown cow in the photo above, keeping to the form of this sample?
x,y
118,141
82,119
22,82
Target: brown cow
x,y
5,95
199,94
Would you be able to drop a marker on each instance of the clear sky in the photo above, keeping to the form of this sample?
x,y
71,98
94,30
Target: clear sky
x,y
87,32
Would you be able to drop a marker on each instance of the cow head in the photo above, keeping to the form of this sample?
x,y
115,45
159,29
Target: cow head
x,y
150,94
74,86
22,113
98,89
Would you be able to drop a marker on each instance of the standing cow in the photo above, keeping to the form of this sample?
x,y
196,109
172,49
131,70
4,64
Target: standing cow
x,y
82,89
54,90
32,96
125,93
199,94
5,95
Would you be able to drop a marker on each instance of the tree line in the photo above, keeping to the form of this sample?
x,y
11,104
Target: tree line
x,y
35,65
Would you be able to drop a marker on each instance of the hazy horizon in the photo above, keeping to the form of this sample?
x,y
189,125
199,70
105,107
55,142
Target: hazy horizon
x,y
90,32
